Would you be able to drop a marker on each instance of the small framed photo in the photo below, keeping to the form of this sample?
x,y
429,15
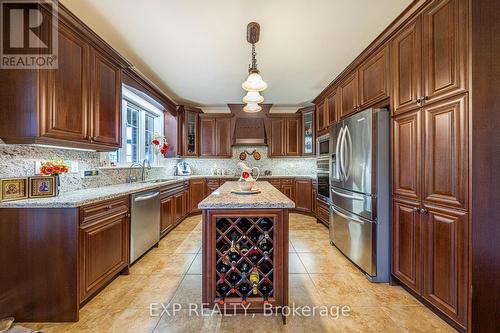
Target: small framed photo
x,y
14,189
42,186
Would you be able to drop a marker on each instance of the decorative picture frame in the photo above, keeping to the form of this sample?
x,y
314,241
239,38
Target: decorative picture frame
x,y
42,186
13,189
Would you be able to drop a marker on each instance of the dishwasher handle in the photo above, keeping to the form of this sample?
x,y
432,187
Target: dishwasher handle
x,y
146,197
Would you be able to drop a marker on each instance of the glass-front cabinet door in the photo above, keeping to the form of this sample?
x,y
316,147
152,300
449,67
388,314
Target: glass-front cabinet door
x,y
190,133
308,132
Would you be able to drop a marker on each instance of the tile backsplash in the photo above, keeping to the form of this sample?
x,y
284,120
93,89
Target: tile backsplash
x,y
19,161
278,166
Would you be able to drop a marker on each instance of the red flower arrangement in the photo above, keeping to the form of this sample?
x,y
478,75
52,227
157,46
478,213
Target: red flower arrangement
x,y
160,141
54,168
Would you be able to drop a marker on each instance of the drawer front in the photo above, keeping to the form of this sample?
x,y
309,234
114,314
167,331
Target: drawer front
x,y
275,182
103,209
170,188
287,181
213,183
323,212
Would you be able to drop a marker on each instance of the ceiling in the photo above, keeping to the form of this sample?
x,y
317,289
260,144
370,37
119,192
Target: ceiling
x,y
196,51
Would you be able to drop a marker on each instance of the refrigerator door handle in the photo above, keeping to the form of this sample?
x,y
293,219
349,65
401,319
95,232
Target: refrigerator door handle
x,y
338,170
342,151
349,149
350,218
353,197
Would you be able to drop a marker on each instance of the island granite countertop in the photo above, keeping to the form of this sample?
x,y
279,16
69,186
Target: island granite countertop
x,y
270,197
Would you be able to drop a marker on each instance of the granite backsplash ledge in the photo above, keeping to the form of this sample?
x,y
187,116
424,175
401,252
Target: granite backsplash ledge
x,y
19,161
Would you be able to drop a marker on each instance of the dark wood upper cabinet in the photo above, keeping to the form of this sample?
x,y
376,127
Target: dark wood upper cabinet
x,y
76,105
308,131
444,49
321,116
223,137
293,136
215,135
407,159
374,78
445,272
67,104
348,95
106,101
446,153
406,70
332,106
406,243
190,127
277,145
285,135
207,137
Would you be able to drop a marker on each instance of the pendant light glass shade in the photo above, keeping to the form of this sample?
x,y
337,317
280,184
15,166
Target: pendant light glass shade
x,y
255,83
253,97
252,108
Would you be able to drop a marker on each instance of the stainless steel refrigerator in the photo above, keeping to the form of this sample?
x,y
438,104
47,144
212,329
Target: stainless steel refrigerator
x,y
359,185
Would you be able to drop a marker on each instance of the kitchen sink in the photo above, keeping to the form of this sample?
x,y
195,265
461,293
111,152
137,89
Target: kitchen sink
x,y
159,180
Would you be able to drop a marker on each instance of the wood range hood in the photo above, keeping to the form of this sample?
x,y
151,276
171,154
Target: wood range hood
x,y
250,129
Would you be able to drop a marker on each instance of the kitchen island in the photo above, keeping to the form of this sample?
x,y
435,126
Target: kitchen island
x,y
245,249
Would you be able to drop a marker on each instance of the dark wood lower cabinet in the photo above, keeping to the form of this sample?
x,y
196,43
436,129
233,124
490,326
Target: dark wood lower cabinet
x,y
196,194
406,245
211,185
104,251
323,214
445,261
167,213
430,255
303,198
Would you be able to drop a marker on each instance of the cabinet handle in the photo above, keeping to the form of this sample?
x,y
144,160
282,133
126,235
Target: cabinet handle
x,y
416,209
419,100
109,207
424,211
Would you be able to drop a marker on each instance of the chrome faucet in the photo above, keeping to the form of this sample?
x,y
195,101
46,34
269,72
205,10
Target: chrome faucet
x,y
144,167
130,178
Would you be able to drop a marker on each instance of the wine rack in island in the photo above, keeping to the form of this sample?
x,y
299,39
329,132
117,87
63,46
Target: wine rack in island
x,y
245,259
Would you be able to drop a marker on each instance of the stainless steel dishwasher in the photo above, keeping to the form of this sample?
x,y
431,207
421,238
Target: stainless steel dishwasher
x,y
144,223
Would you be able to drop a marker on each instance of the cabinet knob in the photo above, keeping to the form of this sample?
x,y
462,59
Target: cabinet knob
x,y
424,211
416,209
109,207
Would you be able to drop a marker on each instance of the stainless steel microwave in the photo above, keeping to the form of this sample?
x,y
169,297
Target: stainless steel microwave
x,y
323,146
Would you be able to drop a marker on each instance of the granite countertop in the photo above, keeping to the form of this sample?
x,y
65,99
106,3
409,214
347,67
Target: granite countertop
x,y
93,195
86,196
222,198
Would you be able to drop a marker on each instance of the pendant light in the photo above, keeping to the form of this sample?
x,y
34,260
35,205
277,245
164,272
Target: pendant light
x,y
253,97
252,108
254,83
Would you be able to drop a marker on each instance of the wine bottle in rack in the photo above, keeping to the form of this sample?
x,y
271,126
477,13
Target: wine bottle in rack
x,y
222,289
234,278
244,266
244,288
254,280
265,224
245,246
234,245
265,289
234,257
254,256
255,236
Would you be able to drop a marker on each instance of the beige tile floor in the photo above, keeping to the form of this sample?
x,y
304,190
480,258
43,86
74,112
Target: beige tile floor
x,y
319,275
